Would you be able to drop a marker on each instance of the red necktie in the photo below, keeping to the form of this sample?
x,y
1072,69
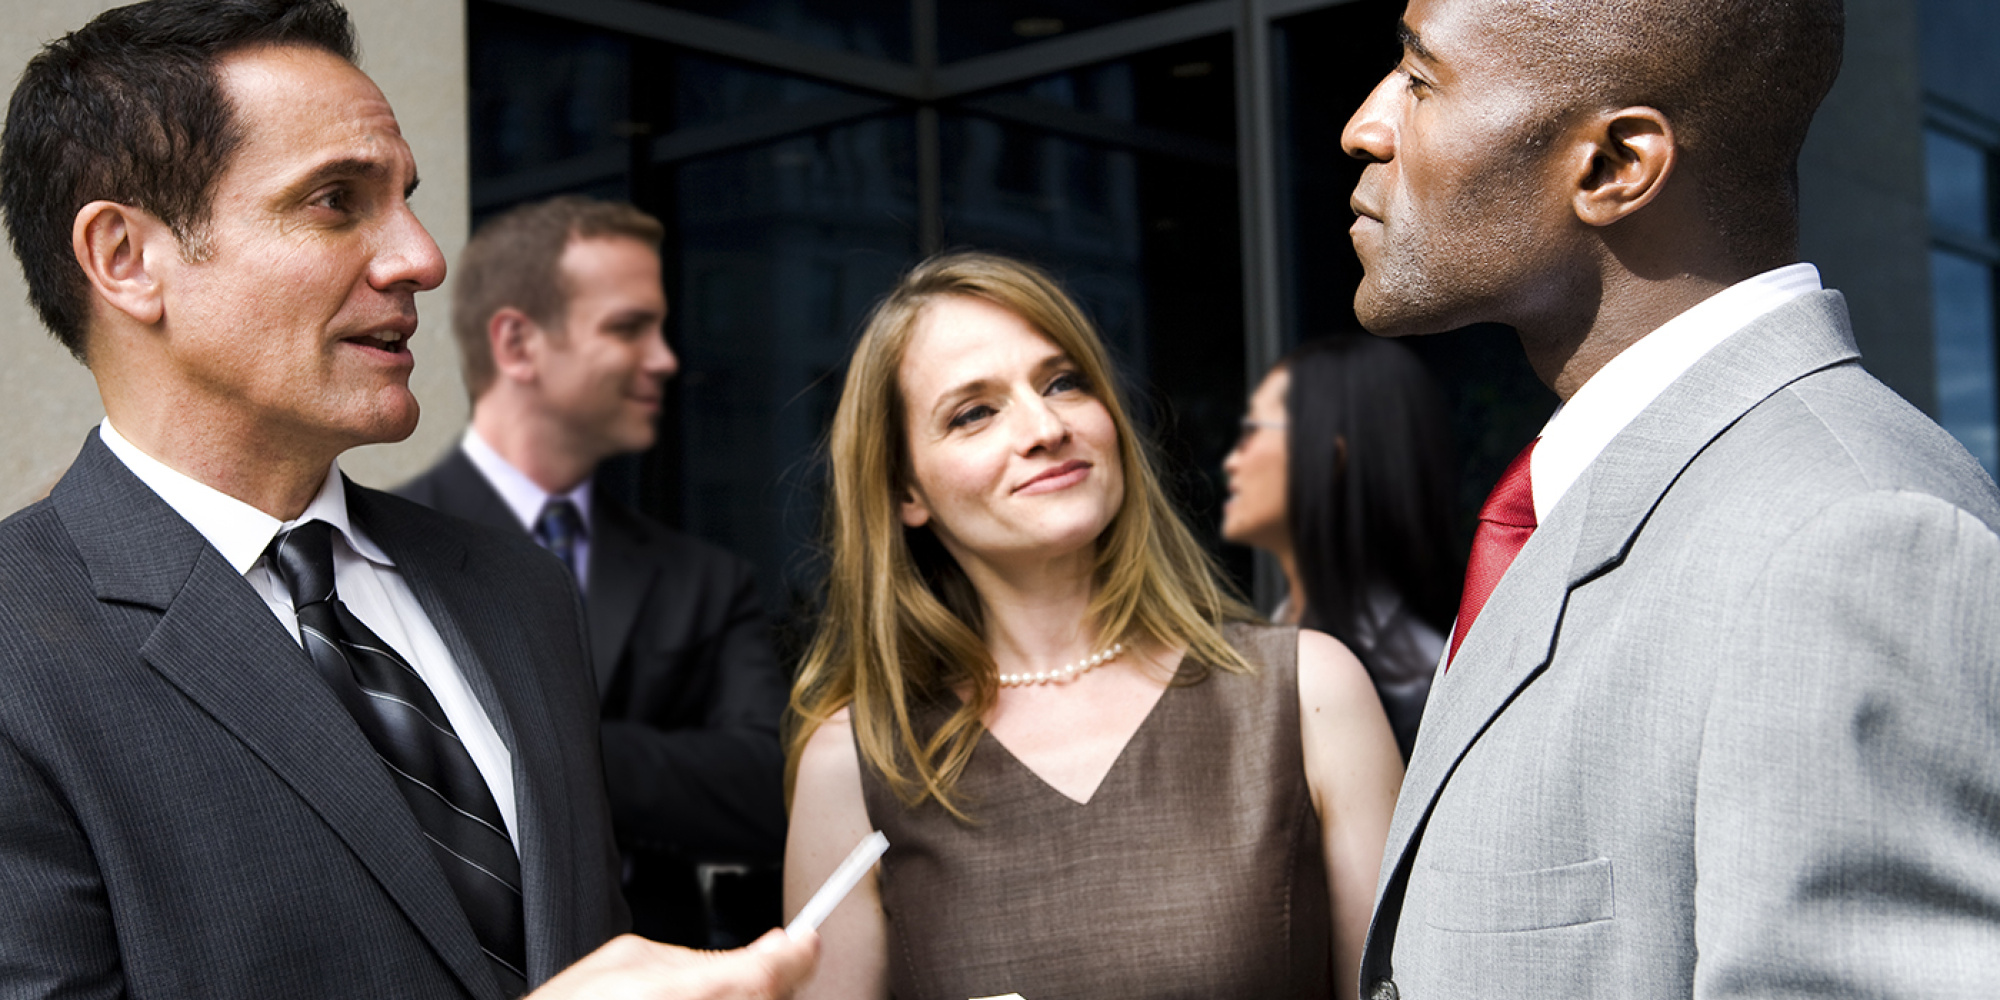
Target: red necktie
x,y
1505,523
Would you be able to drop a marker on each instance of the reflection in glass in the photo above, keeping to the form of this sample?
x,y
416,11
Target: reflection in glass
x,y
709,90
879,28
1956,172
542,90
969,29
1963,314
782,249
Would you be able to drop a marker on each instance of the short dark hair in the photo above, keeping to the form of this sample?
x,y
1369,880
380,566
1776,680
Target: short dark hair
x,y
1738,79
129,108
515,260
1370,479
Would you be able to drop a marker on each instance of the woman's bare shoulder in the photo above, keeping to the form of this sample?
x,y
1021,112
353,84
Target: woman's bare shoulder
x,y
829,753
1330,677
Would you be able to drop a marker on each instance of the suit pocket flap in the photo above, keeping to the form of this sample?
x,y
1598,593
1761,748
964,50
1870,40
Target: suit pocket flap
x,y
1488,902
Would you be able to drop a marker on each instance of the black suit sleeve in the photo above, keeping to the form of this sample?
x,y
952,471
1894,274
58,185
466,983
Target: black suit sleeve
x,y
56,935
691,749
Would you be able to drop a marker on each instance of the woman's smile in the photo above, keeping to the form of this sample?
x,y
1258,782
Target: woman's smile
x,y
1060,477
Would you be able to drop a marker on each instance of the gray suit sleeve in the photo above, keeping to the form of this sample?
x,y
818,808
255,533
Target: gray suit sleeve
x,y
1847,828
56,933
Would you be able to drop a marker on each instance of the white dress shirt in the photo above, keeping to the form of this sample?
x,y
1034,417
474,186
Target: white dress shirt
x,y
367,579
526,499
1629,383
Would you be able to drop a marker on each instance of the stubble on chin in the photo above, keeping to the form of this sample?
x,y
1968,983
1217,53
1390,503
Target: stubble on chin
x,y
1396,298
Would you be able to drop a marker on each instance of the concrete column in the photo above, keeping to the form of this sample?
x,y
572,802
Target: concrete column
x,y
415,51
1863,217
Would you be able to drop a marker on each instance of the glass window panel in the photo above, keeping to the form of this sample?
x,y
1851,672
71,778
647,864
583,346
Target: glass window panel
x,y
707,91
879,28
968,28
1957,54
1187,90
542,90
1958,179
1327,62
781,250
1963,318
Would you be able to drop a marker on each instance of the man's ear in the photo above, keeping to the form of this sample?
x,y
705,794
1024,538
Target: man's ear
x,y
1627,158
126,253
515,342
912,508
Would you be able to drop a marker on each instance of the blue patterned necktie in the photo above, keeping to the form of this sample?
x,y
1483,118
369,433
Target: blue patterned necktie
x,y
425,758
558,529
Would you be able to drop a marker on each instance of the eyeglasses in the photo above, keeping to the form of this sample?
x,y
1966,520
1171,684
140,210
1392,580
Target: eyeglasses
x,y
1249,428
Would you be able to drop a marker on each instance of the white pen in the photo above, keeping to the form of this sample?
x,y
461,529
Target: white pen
x,y
838,884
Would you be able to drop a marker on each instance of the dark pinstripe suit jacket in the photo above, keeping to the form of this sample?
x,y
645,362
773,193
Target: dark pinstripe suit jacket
x,y
186,811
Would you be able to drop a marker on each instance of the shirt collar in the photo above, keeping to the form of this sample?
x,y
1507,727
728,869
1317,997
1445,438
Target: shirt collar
x,y
1629,383
524,499
238,531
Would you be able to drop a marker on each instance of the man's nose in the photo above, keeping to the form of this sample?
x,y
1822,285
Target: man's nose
x,y
661,361
408,258
1368,135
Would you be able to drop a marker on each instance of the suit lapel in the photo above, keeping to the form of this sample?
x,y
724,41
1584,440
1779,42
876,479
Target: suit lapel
x,y
620,577
1588,534
1504,651
463,492
485,642
218,644
619,572
1632,475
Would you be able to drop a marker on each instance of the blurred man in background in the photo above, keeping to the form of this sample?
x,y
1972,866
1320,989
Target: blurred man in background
x,y
558,310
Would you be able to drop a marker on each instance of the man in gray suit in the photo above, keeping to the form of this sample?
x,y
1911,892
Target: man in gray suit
x,y
267,733
1720,712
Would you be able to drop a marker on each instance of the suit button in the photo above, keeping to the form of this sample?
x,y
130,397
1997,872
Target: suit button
x,y
1384,989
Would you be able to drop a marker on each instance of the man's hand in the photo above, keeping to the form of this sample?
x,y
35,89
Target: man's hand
x,y
632,968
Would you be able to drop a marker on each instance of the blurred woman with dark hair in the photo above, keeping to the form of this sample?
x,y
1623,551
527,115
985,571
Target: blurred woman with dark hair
x,y
1344,472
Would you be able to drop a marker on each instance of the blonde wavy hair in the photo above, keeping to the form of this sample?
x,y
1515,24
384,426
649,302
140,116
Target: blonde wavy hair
x,y
902,624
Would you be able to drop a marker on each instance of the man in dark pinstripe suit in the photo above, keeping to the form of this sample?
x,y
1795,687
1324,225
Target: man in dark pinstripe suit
x,y
211,204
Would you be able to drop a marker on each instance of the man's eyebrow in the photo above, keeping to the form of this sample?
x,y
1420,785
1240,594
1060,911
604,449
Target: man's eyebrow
x,y
347,167
1411,43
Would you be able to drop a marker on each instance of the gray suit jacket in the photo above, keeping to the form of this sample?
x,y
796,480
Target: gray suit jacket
x,y
1728,726
186,810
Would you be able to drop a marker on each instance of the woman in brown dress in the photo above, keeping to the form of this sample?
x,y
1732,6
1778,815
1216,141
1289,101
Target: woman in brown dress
x,y
1097,780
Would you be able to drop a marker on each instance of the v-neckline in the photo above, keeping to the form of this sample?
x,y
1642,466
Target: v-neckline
x,y
1117,761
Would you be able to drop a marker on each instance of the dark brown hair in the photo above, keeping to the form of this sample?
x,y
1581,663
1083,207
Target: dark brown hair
x,y
129,108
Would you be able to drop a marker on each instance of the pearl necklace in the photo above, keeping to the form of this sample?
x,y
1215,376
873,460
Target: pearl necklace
x,y
1063,674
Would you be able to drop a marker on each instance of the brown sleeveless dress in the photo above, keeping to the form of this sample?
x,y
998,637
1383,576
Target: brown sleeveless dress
x,y
1194,871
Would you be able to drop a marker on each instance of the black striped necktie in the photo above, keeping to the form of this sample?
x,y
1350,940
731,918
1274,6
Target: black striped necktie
x,y
425,758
